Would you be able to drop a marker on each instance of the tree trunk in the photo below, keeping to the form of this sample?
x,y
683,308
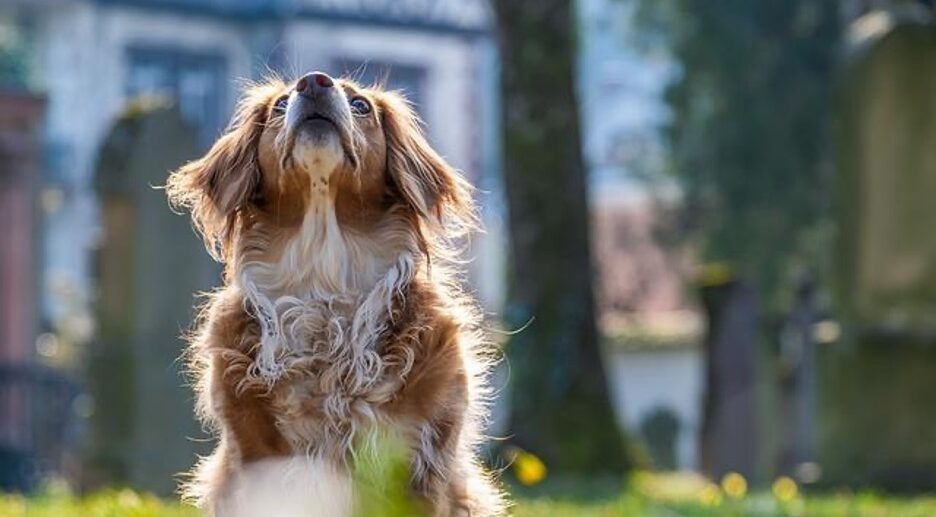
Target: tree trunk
x,y
560,404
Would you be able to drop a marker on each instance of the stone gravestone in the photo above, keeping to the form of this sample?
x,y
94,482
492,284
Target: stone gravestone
x,y
796,393
729,434
876,388
150,264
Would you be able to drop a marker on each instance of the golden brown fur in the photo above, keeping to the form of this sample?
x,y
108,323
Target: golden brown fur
x,y
339,314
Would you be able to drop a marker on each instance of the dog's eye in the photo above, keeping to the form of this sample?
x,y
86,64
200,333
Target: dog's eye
x,y
281,104
360,106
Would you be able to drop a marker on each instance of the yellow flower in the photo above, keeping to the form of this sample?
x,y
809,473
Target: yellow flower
x,y
529,469
784,489
715,273
710,496
734,485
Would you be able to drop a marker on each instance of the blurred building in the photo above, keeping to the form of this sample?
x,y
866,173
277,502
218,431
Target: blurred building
x,y
89,58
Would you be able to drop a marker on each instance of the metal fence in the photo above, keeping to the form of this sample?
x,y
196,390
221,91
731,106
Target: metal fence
x,y
38,424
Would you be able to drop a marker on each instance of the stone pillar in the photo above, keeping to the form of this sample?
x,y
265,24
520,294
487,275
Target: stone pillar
x,y
21,116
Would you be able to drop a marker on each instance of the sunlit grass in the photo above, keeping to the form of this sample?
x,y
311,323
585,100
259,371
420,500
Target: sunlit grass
x,y
690,495
644,495
108,503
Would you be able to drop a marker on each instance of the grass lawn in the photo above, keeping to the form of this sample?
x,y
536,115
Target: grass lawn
x,y
646,494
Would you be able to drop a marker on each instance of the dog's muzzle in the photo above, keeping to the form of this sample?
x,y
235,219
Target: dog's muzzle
x,y
318,107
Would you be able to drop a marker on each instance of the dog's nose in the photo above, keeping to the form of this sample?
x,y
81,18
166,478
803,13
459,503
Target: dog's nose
x,y
314,81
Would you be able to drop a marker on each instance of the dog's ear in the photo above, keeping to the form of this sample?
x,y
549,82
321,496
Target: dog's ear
x,y
216,186
436,192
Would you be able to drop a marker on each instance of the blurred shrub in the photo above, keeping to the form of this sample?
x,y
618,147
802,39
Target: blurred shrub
x,y
660,430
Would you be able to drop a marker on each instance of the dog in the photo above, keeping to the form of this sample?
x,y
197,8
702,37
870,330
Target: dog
x,y
341,315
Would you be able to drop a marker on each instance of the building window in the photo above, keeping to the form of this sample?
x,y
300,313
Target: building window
x,y
195,81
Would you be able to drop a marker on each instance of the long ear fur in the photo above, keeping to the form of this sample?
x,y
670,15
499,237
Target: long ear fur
x,y
218,185
436,192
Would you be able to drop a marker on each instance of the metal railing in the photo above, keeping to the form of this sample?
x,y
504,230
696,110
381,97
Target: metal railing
x,y
38,424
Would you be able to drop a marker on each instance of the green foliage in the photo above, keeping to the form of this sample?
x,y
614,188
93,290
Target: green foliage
x,y
750,130
381,480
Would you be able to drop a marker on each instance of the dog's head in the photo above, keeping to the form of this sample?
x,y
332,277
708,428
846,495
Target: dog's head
x,y
293,146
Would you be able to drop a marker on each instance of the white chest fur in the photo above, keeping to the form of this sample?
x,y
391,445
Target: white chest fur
x,y
287,487
328,287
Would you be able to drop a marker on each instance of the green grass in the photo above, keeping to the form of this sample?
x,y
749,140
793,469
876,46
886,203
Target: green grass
x,y
646,495
110,503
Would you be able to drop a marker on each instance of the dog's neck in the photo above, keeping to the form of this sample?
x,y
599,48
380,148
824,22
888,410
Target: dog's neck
x,y
325,276
321,259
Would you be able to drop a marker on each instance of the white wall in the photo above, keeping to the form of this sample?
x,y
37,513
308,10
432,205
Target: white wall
x,y
645,380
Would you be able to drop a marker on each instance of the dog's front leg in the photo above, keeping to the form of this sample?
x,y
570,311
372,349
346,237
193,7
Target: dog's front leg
x,y
442,463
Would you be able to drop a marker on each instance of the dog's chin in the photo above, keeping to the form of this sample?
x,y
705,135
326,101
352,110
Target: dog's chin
x,y
318,150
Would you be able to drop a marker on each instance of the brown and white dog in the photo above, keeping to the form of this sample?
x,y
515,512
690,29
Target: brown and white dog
x,y
340,317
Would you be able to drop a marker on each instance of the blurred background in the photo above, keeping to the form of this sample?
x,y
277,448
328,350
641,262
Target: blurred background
x,y
711,221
